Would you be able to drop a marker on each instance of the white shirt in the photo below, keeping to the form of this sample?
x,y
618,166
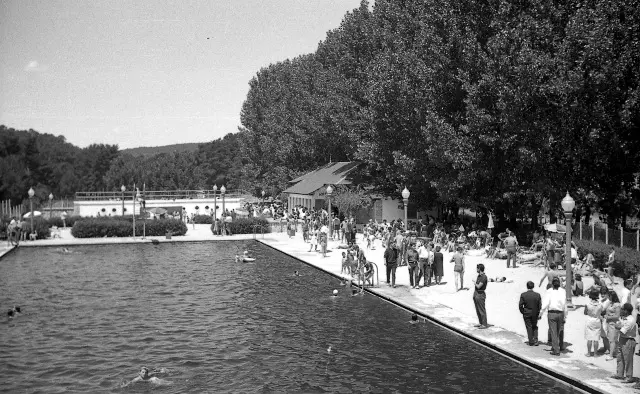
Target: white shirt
x,y
574,253
324,229
423,253
624,295
555,300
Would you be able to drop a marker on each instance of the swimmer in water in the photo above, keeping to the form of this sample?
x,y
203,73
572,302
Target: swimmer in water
x,y
296,273
144,376
13,312
414,319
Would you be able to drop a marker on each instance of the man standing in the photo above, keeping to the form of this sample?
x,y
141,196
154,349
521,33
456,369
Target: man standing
x,y
511,244
412,262
458,269
425,258
479,297
390,259
556,304
626,344
530,305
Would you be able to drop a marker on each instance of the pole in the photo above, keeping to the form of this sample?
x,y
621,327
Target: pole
x,y
50,207
406,221
606,234
581,219
593,230
215,205
567,258
134,210
122,202
144,213
330,220
621,236
31,204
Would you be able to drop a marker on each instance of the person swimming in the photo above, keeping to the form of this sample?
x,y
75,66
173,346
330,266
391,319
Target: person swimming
x,y
13,312
145,376
296,273
414,319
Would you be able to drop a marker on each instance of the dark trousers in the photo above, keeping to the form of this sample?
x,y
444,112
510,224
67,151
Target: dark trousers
x,y
479,300
626,347
391,273
556,329
425,271
511,255
413,274
531,323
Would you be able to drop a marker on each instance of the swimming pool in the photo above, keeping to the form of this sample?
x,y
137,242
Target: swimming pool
x,y
94,316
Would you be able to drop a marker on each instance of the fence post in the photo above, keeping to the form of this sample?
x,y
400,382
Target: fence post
x,y
621,236
581,229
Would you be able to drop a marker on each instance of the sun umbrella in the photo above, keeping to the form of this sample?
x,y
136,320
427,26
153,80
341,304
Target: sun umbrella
x,y
35,213
157,211
555,228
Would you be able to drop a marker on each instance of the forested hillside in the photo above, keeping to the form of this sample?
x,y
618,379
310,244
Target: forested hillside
x,y
154,150
49,164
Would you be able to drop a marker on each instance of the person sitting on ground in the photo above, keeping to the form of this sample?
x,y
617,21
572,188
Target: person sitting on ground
x,y
578,287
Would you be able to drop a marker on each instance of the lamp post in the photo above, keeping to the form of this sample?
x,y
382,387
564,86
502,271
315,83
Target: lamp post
x,y
31,194
143,211
405,199
329,193
567,205
215,202
263,197
133,197
223,190
50,204
123,188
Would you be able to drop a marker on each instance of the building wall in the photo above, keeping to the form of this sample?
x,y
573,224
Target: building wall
x,y
92,208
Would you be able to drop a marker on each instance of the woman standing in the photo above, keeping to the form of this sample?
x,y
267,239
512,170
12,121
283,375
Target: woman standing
x,y
438,269
593,311
313,245
611,312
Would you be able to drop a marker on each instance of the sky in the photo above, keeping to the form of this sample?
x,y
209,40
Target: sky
x,y
146,73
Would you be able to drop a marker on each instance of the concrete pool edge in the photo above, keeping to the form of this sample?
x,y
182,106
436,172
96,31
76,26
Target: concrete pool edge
x,y
572,381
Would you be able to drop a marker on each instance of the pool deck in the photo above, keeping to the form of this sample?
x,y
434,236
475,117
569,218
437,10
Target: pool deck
x,y
441,304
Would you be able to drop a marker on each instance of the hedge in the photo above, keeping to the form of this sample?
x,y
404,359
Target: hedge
x,y
110,227
246,225
625,265
203,219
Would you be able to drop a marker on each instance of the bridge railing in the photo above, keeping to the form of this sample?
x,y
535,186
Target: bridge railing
x,y
158,195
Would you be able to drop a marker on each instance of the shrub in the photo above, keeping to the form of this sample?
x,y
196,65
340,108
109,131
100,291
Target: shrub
x,y
245,225
203,219
627,261
121,227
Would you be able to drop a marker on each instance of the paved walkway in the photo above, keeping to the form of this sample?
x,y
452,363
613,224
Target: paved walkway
x,y
440,303
456,311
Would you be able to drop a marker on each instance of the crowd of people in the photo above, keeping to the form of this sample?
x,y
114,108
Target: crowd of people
x,y
610,316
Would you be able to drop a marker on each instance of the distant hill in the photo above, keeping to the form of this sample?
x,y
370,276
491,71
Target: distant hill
x,y
154,150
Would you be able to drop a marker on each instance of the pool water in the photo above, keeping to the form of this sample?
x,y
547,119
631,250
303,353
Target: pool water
x,y
92,317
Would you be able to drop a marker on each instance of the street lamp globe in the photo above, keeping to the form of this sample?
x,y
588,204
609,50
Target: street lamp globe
x,y
215,188
329,190
223,189
50,196
263,194
31,192
568,203
405,193
123,188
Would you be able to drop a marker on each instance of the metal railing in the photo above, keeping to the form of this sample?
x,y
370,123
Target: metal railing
x,y
160,195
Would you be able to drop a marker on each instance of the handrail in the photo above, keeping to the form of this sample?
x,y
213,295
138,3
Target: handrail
x,y
159,194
